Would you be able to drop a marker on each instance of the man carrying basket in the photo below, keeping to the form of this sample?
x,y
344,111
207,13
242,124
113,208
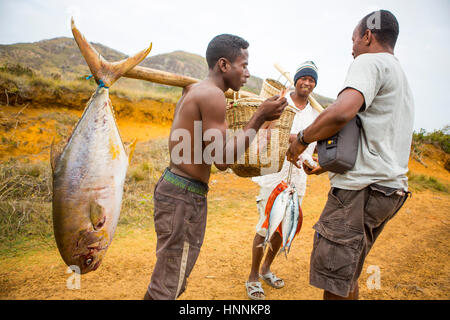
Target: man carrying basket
x,y
305,80
180,194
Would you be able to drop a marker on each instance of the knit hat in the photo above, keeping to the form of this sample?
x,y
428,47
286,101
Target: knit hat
x,y
307,68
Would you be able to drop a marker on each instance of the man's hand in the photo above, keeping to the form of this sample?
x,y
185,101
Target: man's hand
x,y
317,170
272,108
294,151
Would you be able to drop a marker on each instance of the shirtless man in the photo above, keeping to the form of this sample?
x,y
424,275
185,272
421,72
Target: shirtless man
x,y
180,195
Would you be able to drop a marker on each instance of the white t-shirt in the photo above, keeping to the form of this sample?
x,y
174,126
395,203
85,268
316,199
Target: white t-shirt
x,y
387,124
303,118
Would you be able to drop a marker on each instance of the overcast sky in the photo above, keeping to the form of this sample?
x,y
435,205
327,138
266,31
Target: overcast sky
x,y
284,31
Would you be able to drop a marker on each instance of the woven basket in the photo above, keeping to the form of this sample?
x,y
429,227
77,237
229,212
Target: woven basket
x,y
271,87
256,162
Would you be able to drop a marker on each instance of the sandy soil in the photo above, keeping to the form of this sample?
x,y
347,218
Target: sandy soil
x,y
412,253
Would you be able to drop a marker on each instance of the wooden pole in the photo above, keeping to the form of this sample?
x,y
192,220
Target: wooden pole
x,y
316,105
172,79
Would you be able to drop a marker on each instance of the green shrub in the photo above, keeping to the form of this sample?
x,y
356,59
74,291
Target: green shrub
x,y
17,69
439,138
423,182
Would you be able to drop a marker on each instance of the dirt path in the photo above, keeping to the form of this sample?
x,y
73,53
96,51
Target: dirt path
x,y
412,254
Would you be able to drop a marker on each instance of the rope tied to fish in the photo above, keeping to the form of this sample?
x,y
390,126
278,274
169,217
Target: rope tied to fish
x,y
101,84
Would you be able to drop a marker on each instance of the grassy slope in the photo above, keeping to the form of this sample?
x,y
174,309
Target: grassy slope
x,y
412,251
60,58
49,108
25,177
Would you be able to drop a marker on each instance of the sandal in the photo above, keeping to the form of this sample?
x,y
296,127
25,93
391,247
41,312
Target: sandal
x,y
272,279
254,287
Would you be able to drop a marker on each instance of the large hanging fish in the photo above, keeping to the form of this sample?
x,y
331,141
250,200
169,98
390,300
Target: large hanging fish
x,y
89,173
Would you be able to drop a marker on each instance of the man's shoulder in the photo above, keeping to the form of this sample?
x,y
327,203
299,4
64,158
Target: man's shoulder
x,y
381,58
205,90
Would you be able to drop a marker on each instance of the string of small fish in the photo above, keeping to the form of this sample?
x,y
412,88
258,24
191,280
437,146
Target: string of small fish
x,y
283,214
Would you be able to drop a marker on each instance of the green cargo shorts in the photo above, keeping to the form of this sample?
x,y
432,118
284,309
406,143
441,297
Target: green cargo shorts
x,y
346,231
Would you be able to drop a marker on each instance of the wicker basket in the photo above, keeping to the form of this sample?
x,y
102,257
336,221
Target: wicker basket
x,y
256,161
271,87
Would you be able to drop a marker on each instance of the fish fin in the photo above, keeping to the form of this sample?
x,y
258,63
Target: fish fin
x,y
300,220
97,215
55,153
265,224
131,148
279,229
107,72
53,157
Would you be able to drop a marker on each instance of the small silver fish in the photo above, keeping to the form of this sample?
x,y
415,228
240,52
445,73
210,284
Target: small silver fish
x,y
287,223
277,214
296,214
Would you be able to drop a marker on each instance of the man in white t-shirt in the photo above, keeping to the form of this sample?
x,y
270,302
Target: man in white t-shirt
x,y
362,200
305,80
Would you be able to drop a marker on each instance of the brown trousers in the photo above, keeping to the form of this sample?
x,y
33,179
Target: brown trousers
x,y
346,231
180,222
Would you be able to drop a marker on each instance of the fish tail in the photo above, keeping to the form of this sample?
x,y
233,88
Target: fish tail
x,y
103,71
281,250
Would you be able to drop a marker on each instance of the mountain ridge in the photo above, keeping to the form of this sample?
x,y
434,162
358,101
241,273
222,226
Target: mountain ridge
x,y
60,58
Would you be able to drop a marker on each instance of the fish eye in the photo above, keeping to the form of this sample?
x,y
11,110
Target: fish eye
x,y
88,261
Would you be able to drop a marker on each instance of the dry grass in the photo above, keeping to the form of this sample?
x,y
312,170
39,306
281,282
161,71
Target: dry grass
x,y
25,201
421,182
26,193
32,268
21,88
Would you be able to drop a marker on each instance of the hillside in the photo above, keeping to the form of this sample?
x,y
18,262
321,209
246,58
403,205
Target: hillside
x,y
60,59
412,252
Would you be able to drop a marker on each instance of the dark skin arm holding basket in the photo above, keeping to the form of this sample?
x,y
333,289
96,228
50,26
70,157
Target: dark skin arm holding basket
x,y
205,101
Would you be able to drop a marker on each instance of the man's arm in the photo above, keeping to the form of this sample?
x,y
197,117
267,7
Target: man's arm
x,y
329,122
213,113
